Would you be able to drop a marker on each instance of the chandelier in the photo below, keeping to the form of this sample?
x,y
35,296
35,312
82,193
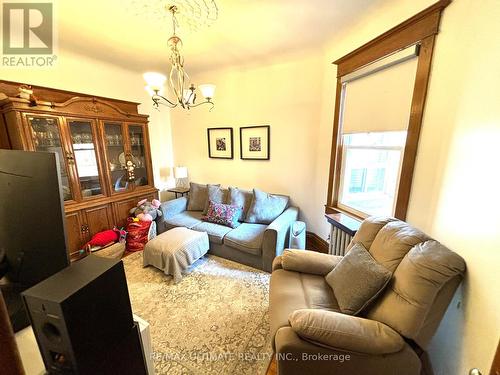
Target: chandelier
x,y
183,96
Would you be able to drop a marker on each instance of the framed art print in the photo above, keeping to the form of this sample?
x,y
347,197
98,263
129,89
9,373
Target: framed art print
x,y
255,142
220,143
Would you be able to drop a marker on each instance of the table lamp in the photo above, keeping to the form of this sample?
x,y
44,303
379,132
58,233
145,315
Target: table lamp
x,y
181,175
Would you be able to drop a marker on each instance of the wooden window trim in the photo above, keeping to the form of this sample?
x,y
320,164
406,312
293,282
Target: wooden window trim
x,y
422,29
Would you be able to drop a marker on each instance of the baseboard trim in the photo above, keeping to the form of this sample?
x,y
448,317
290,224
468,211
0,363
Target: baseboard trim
x,y
316,243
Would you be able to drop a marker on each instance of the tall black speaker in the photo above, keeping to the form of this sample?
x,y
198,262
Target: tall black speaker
x,y
83,322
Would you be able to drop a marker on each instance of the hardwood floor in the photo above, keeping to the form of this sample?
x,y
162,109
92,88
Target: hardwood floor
x,y
272,369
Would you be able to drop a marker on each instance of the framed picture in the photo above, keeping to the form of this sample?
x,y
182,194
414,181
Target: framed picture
x,y
255,142
220,143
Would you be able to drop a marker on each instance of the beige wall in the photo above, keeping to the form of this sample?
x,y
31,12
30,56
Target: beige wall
x,y
283,95
79,73
455,190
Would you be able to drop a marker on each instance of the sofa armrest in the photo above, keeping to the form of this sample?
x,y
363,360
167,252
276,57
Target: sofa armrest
x,y
345,332
306,261
169,209
276,236
173,207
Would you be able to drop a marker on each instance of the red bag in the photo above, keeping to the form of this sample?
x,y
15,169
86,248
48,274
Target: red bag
x,y
137,234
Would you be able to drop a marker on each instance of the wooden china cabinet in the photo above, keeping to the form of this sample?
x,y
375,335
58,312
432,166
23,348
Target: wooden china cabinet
x,y
103,149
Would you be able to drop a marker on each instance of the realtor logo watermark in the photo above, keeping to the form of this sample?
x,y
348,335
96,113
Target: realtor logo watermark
x,y
28,35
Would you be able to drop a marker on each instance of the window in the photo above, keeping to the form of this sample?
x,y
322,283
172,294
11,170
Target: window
x,y
371,164
375,111
380,97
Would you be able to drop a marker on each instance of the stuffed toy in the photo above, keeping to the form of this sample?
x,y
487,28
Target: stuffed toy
x,y
107,237
147,211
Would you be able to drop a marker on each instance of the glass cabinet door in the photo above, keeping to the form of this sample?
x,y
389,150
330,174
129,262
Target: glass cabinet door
x,y
85,157
116,156
47,137
138,148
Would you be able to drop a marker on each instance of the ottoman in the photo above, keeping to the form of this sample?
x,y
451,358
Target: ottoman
x,y
175,250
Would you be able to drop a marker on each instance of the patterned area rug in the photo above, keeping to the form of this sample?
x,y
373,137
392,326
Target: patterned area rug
x,y
215,321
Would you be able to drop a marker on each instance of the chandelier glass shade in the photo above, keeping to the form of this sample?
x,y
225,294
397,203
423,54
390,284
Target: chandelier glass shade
x,y
182,93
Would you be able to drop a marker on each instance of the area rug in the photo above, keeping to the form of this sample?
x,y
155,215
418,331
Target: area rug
x,y
215,321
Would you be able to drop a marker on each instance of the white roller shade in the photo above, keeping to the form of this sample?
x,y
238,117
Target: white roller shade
x,y
379,100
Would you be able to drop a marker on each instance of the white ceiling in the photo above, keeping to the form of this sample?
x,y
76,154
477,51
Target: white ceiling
x,y
123,33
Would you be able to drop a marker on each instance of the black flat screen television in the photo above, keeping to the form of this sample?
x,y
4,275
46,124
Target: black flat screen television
x,y
32,234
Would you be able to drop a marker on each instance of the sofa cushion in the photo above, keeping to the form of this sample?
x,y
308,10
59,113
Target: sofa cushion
x,y
215,232
368,231
266,207
357,280
242,198
247,237
393,242
198,196
223,214
186,219
290,291
407,304
215,194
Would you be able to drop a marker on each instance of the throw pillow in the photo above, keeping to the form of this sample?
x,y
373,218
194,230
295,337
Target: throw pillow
x,y
265,207
241,198
215,194
357,280
223,214
198,195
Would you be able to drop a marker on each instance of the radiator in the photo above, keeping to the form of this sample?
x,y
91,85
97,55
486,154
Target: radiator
x,y
339,241
343,228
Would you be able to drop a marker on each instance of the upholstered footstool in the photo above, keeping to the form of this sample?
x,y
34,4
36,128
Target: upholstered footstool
x,y
175,250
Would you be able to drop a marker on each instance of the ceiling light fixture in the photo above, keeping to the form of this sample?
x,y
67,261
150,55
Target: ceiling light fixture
x,y
184,97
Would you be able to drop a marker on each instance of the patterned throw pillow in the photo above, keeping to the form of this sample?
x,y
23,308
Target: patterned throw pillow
x,y
216,194
223,214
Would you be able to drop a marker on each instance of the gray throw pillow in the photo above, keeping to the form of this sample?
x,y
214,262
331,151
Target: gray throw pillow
x,y
198,196
357,280
216,194
241,198
265,207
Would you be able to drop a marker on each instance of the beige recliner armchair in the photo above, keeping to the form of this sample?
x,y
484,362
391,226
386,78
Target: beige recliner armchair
x,y
312,336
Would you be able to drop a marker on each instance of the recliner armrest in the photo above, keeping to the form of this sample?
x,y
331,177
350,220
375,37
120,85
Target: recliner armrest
x,y
306,261
345,332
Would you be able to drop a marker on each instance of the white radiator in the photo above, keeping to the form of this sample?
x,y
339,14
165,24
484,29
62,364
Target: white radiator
x,y
338,241
343,228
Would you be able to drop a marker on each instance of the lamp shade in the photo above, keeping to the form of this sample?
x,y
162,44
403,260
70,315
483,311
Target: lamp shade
x,y
155,81
180,172
207,90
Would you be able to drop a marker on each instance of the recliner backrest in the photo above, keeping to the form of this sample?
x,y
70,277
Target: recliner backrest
x,y
426,274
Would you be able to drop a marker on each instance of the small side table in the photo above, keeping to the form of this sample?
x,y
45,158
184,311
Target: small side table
x,y
179,191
